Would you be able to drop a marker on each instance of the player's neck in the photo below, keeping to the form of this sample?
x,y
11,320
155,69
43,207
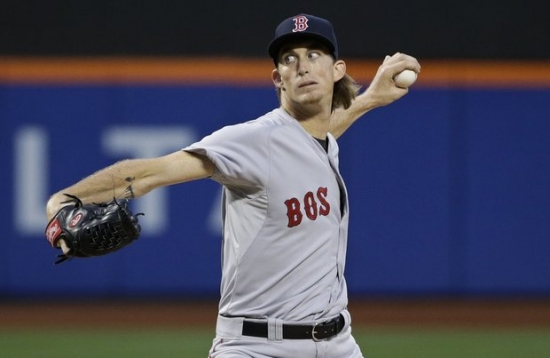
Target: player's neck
x,y
316,128
315,121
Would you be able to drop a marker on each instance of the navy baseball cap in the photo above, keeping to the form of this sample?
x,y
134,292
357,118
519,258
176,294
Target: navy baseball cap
x,y
303,26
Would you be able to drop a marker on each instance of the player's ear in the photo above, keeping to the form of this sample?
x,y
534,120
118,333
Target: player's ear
x,y
339,70
277,80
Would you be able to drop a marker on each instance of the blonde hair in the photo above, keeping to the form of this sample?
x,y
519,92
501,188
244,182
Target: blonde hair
x,y
345,91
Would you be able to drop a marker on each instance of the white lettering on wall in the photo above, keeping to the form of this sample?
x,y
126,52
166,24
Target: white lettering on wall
x,y
214,218
30,181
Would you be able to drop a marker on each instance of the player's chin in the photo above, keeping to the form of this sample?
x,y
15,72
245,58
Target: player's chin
x,y
310,97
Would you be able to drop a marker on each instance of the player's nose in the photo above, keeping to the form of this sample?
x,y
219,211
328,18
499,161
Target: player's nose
x,y
303,68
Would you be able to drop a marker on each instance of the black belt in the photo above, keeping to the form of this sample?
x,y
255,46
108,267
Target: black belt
x,y
316,332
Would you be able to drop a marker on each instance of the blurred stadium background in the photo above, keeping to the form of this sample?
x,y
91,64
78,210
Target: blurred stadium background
x,y
449,240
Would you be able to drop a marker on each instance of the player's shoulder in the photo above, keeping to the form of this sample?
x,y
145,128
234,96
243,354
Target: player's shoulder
x,y
275,117
257,130
274,120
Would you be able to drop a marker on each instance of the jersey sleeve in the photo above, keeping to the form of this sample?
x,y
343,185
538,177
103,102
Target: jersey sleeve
x,y
239,152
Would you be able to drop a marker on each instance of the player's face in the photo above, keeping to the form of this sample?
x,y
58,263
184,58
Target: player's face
x,y
306,74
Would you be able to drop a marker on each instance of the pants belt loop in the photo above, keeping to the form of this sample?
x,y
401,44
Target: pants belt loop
x,y
274,329
279,330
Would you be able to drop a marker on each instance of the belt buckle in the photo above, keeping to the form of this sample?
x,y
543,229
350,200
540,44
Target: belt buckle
x,y
330,329
313,332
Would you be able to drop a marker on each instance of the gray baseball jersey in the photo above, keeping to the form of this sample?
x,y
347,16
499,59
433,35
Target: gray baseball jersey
x,y
285,220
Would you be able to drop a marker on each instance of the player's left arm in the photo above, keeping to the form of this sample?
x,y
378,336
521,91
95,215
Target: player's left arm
x,y
381,92
132,178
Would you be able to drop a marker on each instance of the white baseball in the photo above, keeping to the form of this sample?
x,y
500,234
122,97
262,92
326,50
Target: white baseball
x,y
405,78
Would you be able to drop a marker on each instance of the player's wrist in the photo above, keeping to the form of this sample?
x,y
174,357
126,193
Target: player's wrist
x,y
54,205
368,101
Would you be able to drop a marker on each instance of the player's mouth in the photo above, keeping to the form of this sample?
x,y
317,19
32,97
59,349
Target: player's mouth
x,y
307,84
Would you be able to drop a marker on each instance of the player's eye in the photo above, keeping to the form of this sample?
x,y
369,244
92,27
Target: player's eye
x,y
288,59
314,55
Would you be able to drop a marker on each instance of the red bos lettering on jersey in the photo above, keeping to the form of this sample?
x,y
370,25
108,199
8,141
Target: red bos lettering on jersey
x,y
313,205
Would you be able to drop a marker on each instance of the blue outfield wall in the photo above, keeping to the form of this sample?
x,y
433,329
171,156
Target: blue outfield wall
x,y
449,188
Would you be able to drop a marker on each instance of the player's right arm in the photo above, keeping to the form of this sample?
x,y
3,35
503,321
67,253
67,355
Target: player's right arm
x,y
133,178
381,92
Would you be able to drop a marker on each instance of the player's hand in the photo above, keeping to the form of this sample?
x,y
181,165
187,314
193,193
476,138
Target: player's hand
x,y
382,90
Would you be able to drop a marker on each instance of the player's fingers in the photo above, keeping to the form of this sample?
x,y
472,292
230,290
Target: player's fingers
x,y
63,245
410,62
400,61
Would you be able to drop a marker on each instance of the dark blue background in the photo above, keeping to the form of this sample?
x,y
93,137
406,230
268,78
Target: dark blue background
x,y
449,190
